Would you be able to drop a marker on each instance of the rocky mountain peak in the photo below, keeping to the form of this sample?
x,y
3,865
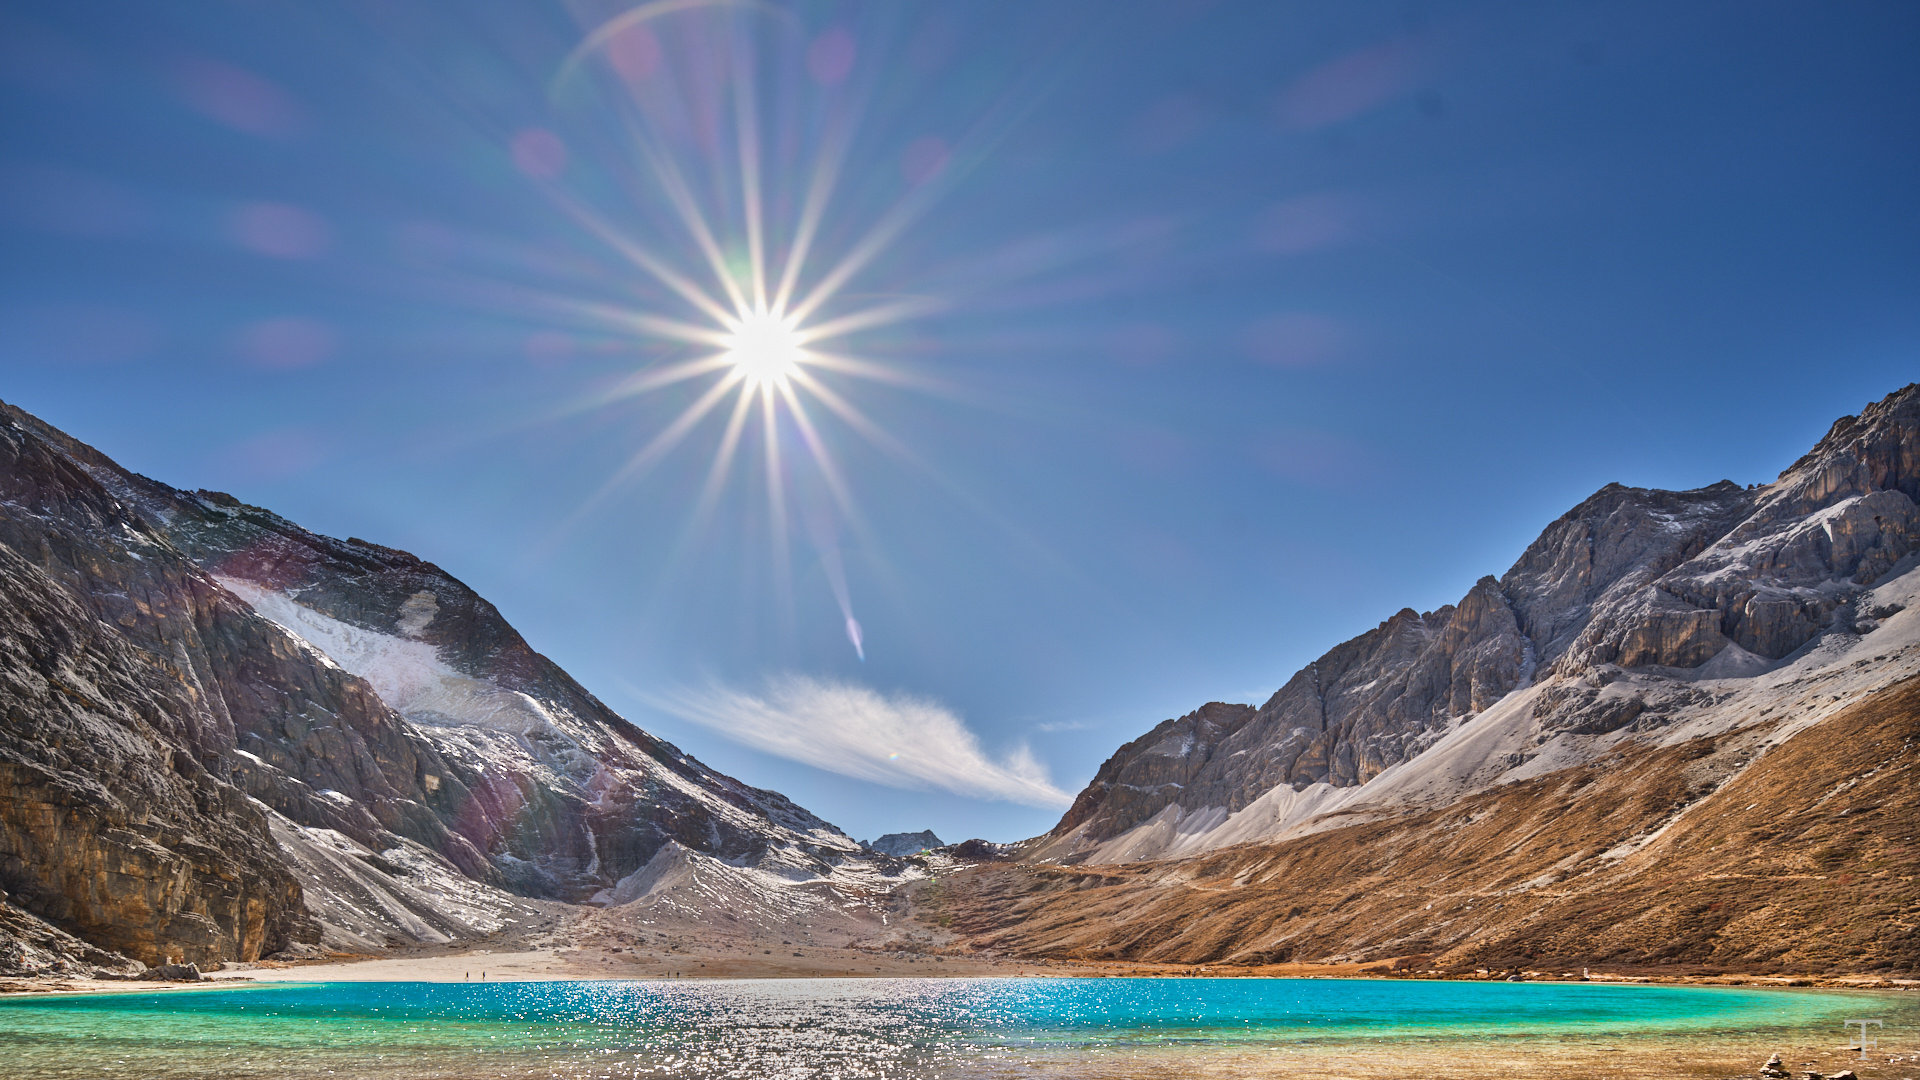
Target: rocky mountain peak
x,y
259,736
1604,622
1874,451
901,844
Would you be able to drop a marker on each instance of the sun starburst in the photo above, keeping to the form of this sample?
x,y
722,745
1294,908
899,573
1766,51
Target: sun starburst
x,y
765,319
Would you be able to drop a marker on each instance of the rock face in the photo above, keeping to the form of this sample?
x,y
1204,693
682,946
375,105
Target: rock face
x,y
905,843
112,824
215,725
1650,590
516,772
1370,703
30,945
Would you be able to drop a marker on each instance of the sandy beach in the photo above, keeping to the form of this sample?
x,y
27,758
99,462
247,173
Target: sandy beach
x,y
685,953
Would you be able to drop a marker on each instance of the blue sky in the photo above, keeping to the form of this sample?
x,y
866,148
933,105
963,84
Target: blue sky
x,y
1204,335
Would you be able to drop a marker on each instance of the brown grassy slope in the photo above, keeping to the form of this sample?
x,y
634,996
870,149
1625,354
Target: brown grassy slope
x,y
1803,860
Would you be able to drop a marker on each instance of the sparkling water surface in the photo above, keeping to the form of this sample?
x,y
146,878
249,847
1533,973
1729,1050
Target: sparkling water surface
x,y
826,1027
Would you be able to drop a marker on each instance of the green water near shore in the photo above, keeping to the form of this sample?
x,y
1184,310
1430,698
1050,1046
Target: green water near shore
x,y
854,1028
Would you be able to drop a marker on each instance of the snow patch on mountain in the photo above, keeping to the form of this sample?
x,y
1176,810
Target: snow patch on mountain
x,y
407,674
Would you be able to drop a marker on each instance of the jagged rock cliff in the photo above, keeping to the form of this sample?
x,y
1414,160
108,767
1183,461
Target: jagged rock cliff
x,y
222,735
112,824
1621,617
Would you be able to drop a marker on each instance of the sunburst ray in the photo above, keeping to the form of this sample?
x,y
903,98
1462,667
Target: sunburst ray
x,y
640,257
747,132
829,469
868,319
777,501
662,443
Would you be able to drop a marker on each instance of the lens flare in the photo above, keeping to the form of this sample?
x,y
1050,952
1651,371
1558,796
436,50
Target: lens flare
x,y
730,241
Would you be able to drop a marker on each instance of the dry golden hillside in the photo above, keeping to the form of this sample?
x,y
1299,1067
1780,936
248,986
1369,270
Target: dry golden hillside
x,y
1711,856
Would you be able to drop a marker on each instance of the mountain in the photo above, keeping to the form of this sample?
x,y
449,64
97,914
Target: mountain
x,y
223,736
904,843
1681,731
1558,747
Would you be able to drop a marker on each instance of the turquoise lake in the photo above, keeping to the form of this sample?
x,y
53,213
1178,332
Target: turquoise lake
x,y
836,1028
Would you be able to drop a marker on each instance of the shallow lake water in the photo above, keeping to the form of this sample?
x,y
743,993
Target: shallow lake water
x,y
906,1028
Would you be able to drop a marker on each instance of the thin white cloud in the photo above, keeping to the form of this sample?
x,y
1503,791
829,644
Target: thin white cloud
x,y
1052,726
897,740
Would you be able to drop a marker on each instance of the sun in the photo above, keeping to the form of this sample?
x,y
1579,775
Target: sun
x,y
764,348
761,311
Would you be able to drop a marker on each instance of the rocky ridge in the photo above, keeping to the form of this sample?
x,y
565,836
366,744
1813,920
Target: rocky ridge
x,y
901,844
1628,615
225,736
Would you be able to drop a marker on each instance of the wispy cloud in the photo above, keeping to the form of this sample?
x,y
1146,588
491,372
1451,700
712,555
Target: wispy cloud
x,y
897,740
1052,726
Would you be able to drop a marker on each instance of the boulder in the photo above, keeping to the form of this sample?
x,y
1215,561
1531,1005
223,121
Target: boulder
x,y
175,973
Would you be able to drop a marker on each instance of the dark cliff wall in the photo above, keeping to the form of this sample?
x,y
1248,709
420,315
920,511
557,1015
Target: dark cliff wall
x,y
150,719
118,819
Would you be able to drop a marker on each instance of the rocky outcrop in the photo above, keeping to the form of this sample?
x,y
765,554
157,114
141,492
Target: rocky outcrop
x,y
204,707
1368,704
1717,582
899,844
503,762
1615,545
30,946
1145,775
1769,568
